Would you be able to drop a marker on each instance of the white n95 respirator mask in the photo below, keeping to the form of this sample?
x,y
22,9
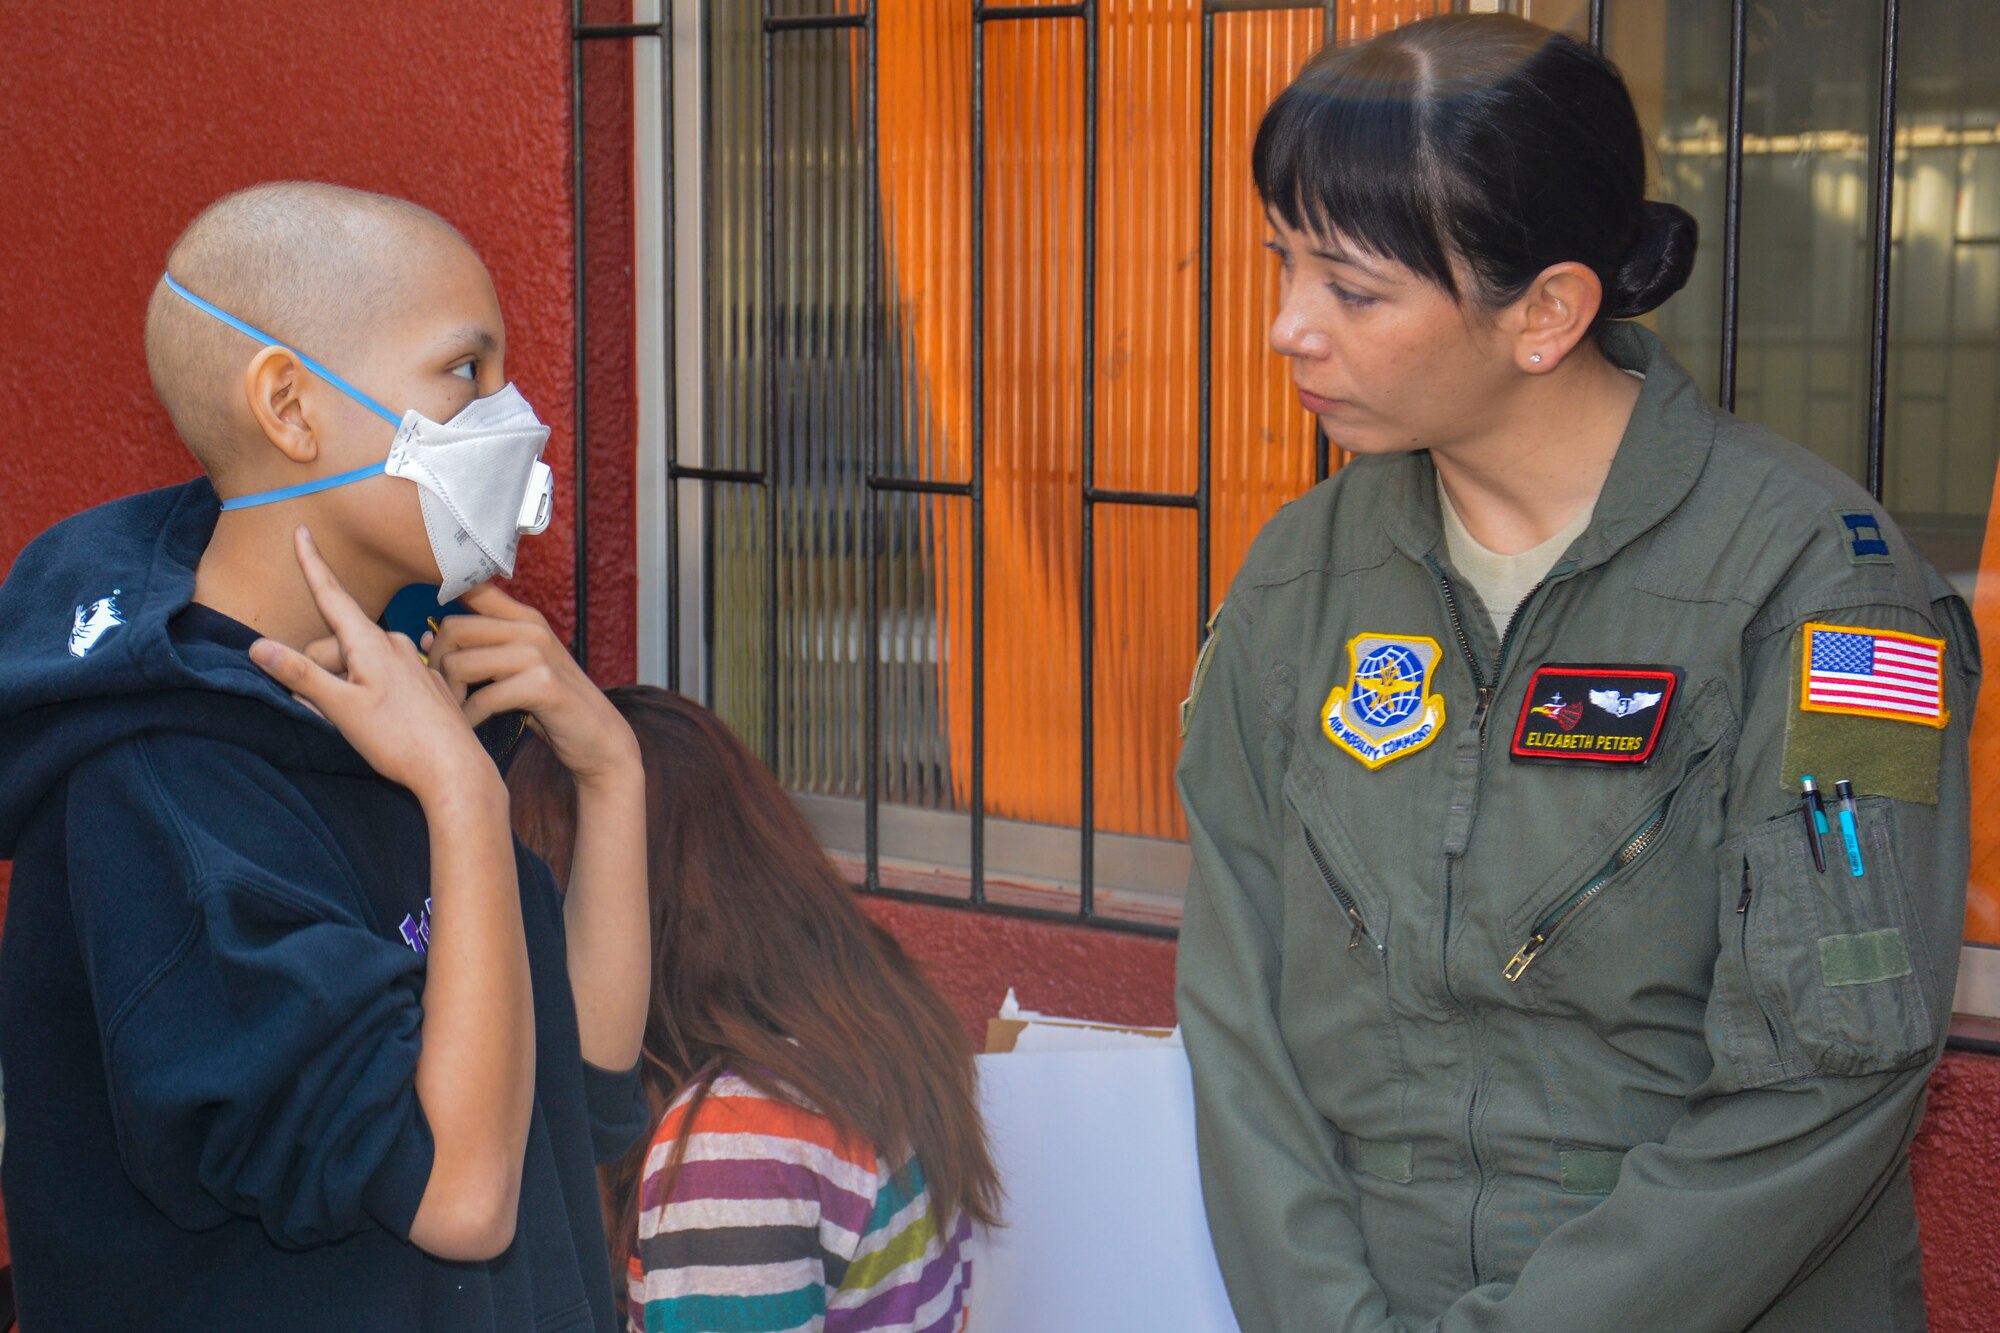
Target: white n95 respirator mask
x,y
483,481
481,477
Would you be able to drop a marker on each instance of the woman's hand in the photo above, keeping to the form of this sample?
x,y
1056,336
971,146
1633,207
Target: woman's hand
x,y
374,688
506,658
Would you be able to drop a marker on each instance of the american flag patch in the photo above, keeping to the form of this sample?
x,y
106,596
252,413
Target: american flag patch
x,y
1874,673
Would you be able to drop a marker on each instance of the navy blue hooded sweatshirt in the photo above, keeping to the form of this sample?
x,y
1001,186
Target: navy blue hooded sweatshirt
x,y
211,980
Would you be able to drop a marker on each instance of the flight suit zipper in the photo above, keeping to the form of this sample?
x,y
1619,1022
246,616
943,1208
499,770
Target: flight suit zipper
x,y
1465,646
1632,850
1486,690
1346,900
1479,712
1479,682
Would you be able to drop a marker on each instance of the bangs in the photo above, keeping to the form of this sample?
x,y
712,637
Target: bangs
x,y
1342,153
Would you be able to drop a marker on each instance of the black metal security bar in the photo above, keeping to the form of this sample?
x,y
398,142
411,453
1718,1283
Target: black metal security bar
x,y
873,341
1885,209
1732,204
1205,350
976,852
1204,354
580,594
775,333
983,14
1092,497
766,455
1322,445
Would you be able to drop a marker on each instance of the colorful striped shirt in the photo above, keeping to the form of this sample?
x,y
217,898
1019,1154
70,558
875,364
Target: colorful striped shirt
x,y
778,1222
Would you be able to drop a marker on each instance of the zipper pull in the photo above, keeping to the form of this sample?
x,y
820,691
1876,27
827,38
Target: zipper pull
x,y
1479,712
1743,903
1524,957
1360,929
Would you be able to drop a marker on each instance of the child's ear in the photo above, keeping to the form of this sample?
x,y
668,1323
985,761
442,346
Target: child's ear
x,y
272,383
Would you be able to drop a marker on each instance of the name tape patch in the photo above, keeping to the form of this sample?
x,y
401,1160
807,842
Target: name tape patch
x,y
1583,714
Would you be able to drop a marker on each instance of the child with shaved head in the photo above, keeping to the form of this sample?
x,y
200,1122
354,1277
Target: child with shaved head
x,y
297,1034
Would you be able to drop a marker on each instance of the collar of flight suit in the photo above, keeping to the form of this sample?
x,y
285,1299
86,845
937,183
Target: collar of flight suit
x,y
1664,448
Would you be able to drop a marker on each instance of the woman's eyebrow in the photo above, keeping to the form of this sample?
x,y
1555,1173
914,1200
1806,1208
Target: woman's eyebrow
x,y
1335,255
1332,254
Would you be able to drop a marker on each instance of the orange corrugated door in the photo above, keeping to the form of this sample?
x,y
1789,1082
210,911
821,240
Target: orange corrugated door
x,y
1145,377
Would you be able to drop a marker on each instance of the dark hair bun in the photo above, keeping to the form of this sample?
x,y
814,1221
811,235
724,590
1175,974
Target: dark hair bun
x,y
1657,265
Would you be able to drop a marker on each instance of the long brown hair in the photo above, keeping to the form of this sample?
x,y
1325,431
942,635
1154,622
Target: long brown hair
x,y
764,965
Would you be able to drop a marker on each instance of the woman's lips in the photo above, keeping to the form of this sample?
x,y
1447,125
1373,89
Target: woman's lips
x,y
1317,405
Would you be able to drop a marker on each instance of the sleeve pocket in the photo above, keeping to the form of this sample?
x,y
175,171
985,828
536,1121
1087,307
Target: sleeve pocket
x,y
1820,972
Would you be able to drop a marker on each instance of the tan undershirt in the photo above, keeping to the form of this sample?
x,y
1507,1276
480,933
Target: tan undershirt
x,y
1503,581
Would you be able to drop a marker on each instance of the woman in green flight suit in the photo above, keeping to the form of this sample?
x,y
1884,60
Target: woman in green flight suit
x,y
1516,995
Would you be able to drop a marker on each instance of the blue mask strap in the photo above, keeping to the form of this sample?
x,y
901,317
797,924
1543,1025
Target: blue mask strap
x,y
315,367
306,487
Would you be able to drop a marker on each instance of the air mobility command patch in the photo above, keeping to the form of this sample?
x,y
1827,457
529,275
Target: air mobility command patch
x,y
1576,714
1870,708
1386,710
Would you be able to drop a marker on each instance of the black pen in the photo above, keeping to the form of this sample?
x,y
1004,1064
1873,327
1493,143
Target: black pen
x,y
1814,813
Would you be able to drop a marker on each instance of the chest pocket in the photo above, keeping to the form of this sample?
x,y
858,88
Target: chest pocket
x,y
1340,948
1638,827
1820,972
1322,862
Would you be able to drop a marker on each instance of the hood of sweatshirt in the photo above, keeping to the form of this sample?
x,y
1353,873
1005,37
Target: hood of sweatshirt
x,y
87,658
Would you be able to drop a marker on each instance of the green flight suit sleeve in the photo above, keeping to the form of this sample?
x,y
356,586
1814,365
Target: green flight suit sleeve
x,y
1280,1203
1830,1004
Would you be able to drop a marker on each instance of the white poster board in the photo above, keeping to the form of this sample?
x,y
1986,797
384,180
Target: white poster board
x,y
1105,1229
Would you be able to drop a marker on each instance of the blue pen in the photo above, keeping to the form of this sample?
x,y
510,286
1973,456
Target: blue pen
x,y
1849,830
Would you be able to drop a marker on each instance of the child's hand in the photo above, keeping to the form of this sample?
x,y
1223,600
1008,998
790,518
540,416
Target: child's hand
x,y
506,658
395,711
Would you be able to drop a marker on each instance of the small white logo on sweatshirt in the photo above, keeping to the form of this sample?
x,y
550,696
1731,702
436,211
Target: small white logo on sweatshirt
x,y
93,620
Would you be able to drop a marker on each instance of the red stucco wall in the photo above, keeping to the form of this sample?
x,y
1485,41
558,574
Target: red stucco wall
x,y
610,392
118,124
1057,969
1956,1166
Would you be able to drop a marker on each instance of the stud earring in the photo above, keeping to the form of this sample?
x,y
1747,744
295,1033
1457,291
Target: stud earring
x,y
1534,358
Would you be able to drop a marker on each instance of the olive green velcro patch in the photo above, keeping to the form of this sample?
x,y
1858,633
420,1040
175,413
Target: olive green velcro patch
x,y
1856,960
1385,1158
1590,1170
1880,756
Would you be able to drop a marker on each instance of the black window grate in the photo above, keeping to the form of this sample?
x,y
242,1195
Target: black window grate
x,y
885,481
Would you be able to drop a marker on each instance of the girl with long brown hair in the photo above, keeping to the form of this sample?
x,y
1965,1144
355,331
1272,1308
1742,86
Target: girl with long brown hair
x,y
817,1158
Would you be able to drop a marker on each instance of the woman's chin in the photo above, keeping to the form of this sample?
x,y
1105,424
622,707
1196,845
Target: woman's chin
x,y
1367,444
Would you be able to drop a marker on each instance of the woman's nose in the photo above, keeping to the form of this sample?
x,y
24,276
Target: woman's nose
x,y
1292,335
